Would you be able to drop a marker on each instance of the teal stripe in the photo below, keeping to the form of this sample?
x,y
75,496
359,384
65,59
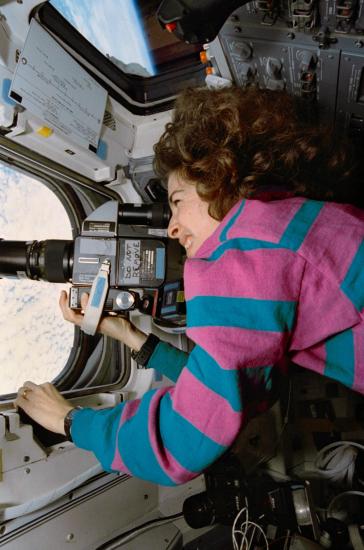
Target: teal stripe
x,y
353,284
300,225
190,447
223,382
135,448
228,226
86,422
168,360
340,358
243,244
247,313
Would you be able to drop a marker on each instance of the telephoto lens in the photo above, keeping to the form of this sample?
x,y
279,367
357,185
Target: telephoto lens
x,y
49,260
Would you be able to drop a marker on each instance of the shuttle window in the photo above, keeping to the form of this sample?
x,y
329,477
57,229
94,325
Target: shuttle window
x,y
115,28
35,341
127,32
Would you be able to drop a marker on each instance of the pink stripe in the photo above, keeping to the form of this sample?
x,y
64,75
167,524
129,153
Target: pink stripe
x,y
358,333
214,240
129,410
206,410
167,462
118,464
320,294
334,239
266,220
234,348
313,359
178,473
246,274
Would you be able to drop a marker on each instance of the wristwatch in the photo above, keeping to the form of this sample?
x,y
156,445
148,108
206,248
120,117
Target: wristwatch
x,y
146,351
68,422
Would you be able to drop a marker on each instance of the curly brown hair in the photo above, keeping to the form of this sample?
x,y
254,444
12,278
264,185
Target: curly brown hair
x,y
233,143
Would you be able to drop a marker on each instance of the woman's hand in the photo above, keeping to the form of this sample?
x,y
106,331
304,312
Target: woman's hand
x,y
44,404
119,328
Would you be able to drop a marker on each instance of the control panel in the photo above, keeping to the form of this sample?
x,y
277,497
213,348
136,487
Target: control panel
x,y
313,49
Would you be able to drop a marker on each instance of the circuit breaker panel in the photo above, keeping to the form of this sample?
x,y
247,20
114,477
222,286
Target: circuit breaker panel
x,y
313,49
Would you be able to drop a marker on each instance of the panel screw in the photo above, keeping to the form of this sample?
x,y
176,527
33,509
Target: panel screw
x,y
70,537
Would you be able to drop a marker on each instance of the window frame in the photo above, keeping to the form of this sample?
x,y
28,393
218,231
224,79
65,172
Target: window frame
x,y
79,197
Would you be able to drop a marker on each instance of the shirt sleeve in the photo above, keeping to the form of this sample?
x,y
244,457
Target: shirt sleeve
x,y
168,360
172,434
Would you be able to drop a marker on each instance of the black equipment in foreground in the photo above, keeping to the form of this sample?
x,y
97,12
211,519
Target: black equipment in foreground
x,y
285,505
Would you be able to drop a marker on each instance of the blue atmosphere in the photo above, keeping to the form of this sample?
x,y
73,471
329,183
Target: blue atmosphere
x,y
112,26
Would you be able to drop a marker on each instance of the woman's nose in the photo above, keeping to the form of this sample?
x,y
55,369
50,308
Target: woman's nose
x,y
173,228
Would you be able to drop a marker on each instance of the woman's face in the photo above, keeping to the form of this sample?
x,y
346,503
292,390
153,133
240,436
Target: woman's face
x,y
190,223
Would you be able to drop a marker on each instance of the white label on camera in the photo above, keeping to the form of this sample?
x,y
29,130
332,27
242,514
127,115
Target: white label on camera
x,y
130,267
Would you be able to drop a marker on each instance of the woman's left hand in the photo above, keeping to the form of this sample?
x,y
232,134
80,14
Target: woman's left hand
x,y
44,404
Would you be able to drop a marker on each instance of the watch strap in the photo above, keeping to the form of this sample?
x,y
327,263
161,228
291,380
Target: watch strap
x,y
146,351
68,422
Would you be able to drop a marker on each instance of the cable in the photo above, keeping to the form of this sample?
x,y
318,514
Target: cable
x,y
128,535
287,541
338,465
234,531
339,496
244,531
355,537
260,529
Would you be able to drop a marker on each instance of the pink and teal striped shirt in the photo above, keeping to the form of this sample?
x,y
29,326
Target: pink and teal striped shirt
x,y
277,279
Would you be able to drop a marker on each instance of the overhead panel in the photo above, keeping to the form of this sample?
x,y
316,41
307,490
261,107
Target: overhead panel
x,y
312,49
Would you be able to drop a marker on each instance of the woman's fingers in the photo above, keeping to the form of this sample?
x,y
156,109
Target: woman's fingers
x,y
84,300
113,326
30,385
68,313
44,404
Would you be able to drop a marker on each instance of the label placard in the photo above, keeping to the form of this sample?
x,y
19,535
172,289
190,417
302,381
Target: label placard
x,y
53,86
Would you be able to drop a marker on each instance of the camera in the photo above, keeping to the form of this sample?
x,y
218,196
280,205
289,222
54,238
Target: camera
x,y
283,504
129,237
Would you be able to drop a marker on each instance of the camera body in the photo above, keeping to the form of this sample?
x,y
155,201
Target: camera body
x,y
137,258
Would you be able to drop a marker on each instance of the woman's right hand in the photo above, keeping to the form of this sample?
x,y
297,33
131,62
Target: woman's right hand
x,y
116,327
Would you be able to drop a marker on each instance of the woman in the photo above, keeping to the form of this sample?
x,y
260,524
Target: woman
x,y
273,270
